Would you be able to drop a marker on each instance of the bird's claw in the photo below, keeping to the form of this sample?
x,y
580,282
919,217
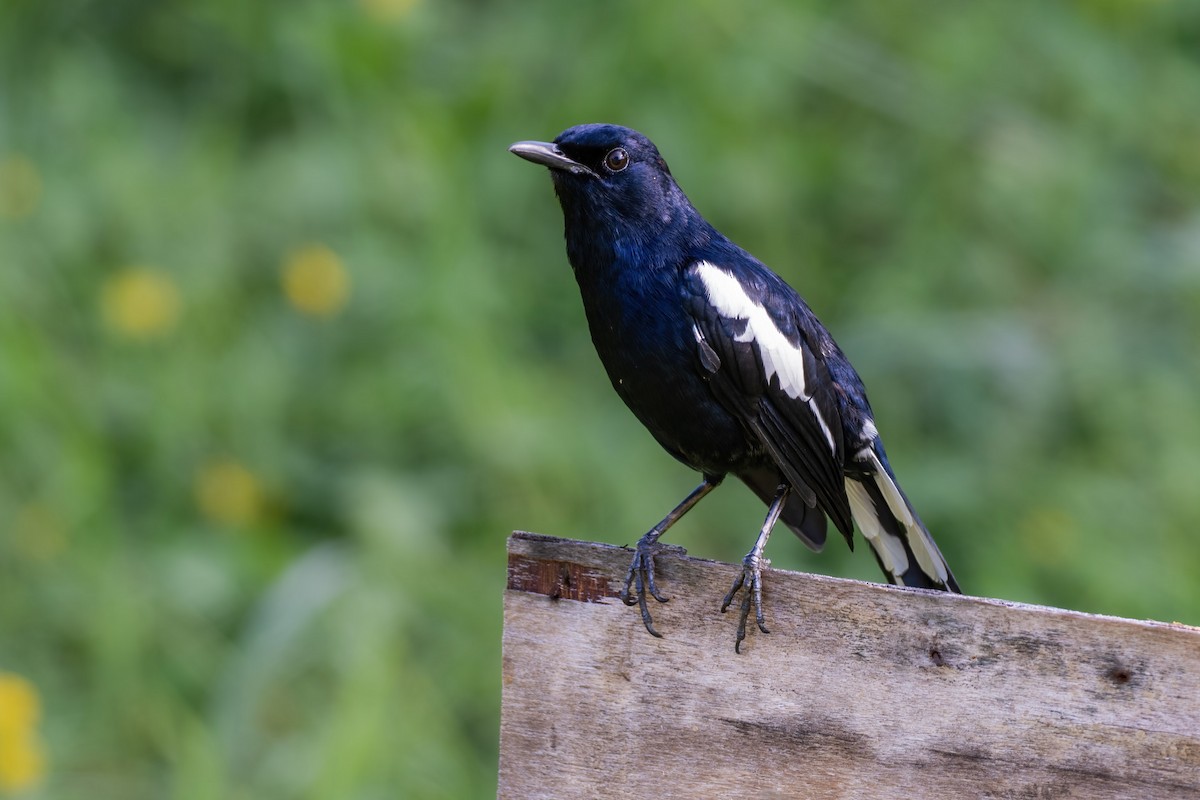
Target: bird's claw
x,y
641,578
750,581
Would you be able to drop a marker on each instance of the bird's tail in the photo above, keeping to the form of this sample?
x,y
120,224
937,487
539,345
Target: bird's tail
x,y
901,543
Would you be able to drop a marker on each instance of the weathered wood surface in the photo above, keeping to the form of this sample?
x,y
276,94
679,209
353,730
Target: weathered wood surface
x,y
861,690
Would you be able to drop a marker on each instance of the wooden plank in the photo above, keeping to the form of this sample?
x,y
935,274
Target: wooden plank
x,y
860,691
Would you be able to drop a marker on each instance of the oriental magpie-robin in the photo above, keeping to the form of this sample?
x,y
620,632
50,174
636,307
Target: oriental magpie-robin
x,y
725,365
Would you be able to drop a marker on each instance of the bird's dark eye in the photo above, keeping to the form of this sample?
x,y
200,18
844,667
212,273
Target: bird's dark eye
x,y
617,159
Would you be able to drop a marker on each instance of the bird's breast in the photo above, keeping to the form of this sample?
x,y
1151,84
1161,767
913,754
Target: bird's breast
x,y
644,338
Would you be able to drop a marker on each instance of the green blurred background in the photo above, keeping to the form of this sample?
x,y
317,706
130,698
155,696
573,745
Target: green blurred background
x,y
289,344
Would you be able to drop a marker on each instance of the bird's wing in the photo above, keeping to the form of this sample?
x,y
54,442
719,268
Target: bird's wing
x,y
752,345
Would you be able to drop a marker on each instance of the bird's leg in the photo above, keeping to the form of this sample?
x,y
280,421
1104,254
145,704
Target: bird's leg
x,y
750,579
641,571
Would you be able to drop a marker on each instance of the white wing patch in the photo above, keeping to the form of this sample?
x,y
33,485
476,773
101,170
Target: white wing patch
x,y
824,427
779,356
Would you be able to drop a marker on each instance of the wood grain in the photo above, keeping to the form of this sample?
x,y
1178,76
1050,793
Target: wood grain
x,y
860,691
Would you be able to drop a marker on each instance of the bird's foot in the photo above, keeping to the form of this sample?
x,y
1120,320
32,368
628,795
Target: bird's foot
x,y
641,578
750,583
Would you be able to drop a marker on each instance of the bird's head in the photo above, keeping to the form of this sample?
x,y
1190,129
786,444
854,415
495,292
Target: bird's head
x,y
609,179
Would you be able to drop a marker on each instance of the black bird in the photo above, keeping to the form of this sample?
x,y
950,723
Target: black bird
x,y
725,365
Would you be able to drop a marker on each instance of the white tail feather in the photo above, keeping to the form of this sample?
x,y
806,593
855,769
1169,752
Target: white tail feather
x,y
889,548
886,544
926,552
891,492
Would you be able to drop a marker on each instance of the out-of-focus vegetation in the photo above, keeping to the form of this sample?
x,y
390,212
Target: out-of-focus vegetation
x,y
288,342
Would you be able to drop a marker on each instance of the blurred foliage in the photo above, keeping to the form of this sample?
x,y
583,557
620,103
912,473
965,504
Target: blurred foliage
x,y
288,342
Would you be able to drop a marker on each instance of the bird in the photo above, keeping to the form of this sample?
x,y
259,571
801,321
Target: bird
x,y
726,366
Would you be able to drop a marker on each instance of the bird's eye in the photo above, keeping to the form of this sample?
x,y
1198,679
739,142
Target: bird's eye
x,y
617,159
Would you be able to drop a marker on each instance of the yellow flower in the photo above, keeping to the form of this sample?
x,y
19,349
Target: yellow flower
x,y
387,10
140,303
20,187
19,706
22,761
315,281
229,493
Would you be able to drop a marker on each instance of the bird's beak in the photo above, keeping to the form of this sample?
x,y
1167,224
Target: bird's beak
x,y
548,155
